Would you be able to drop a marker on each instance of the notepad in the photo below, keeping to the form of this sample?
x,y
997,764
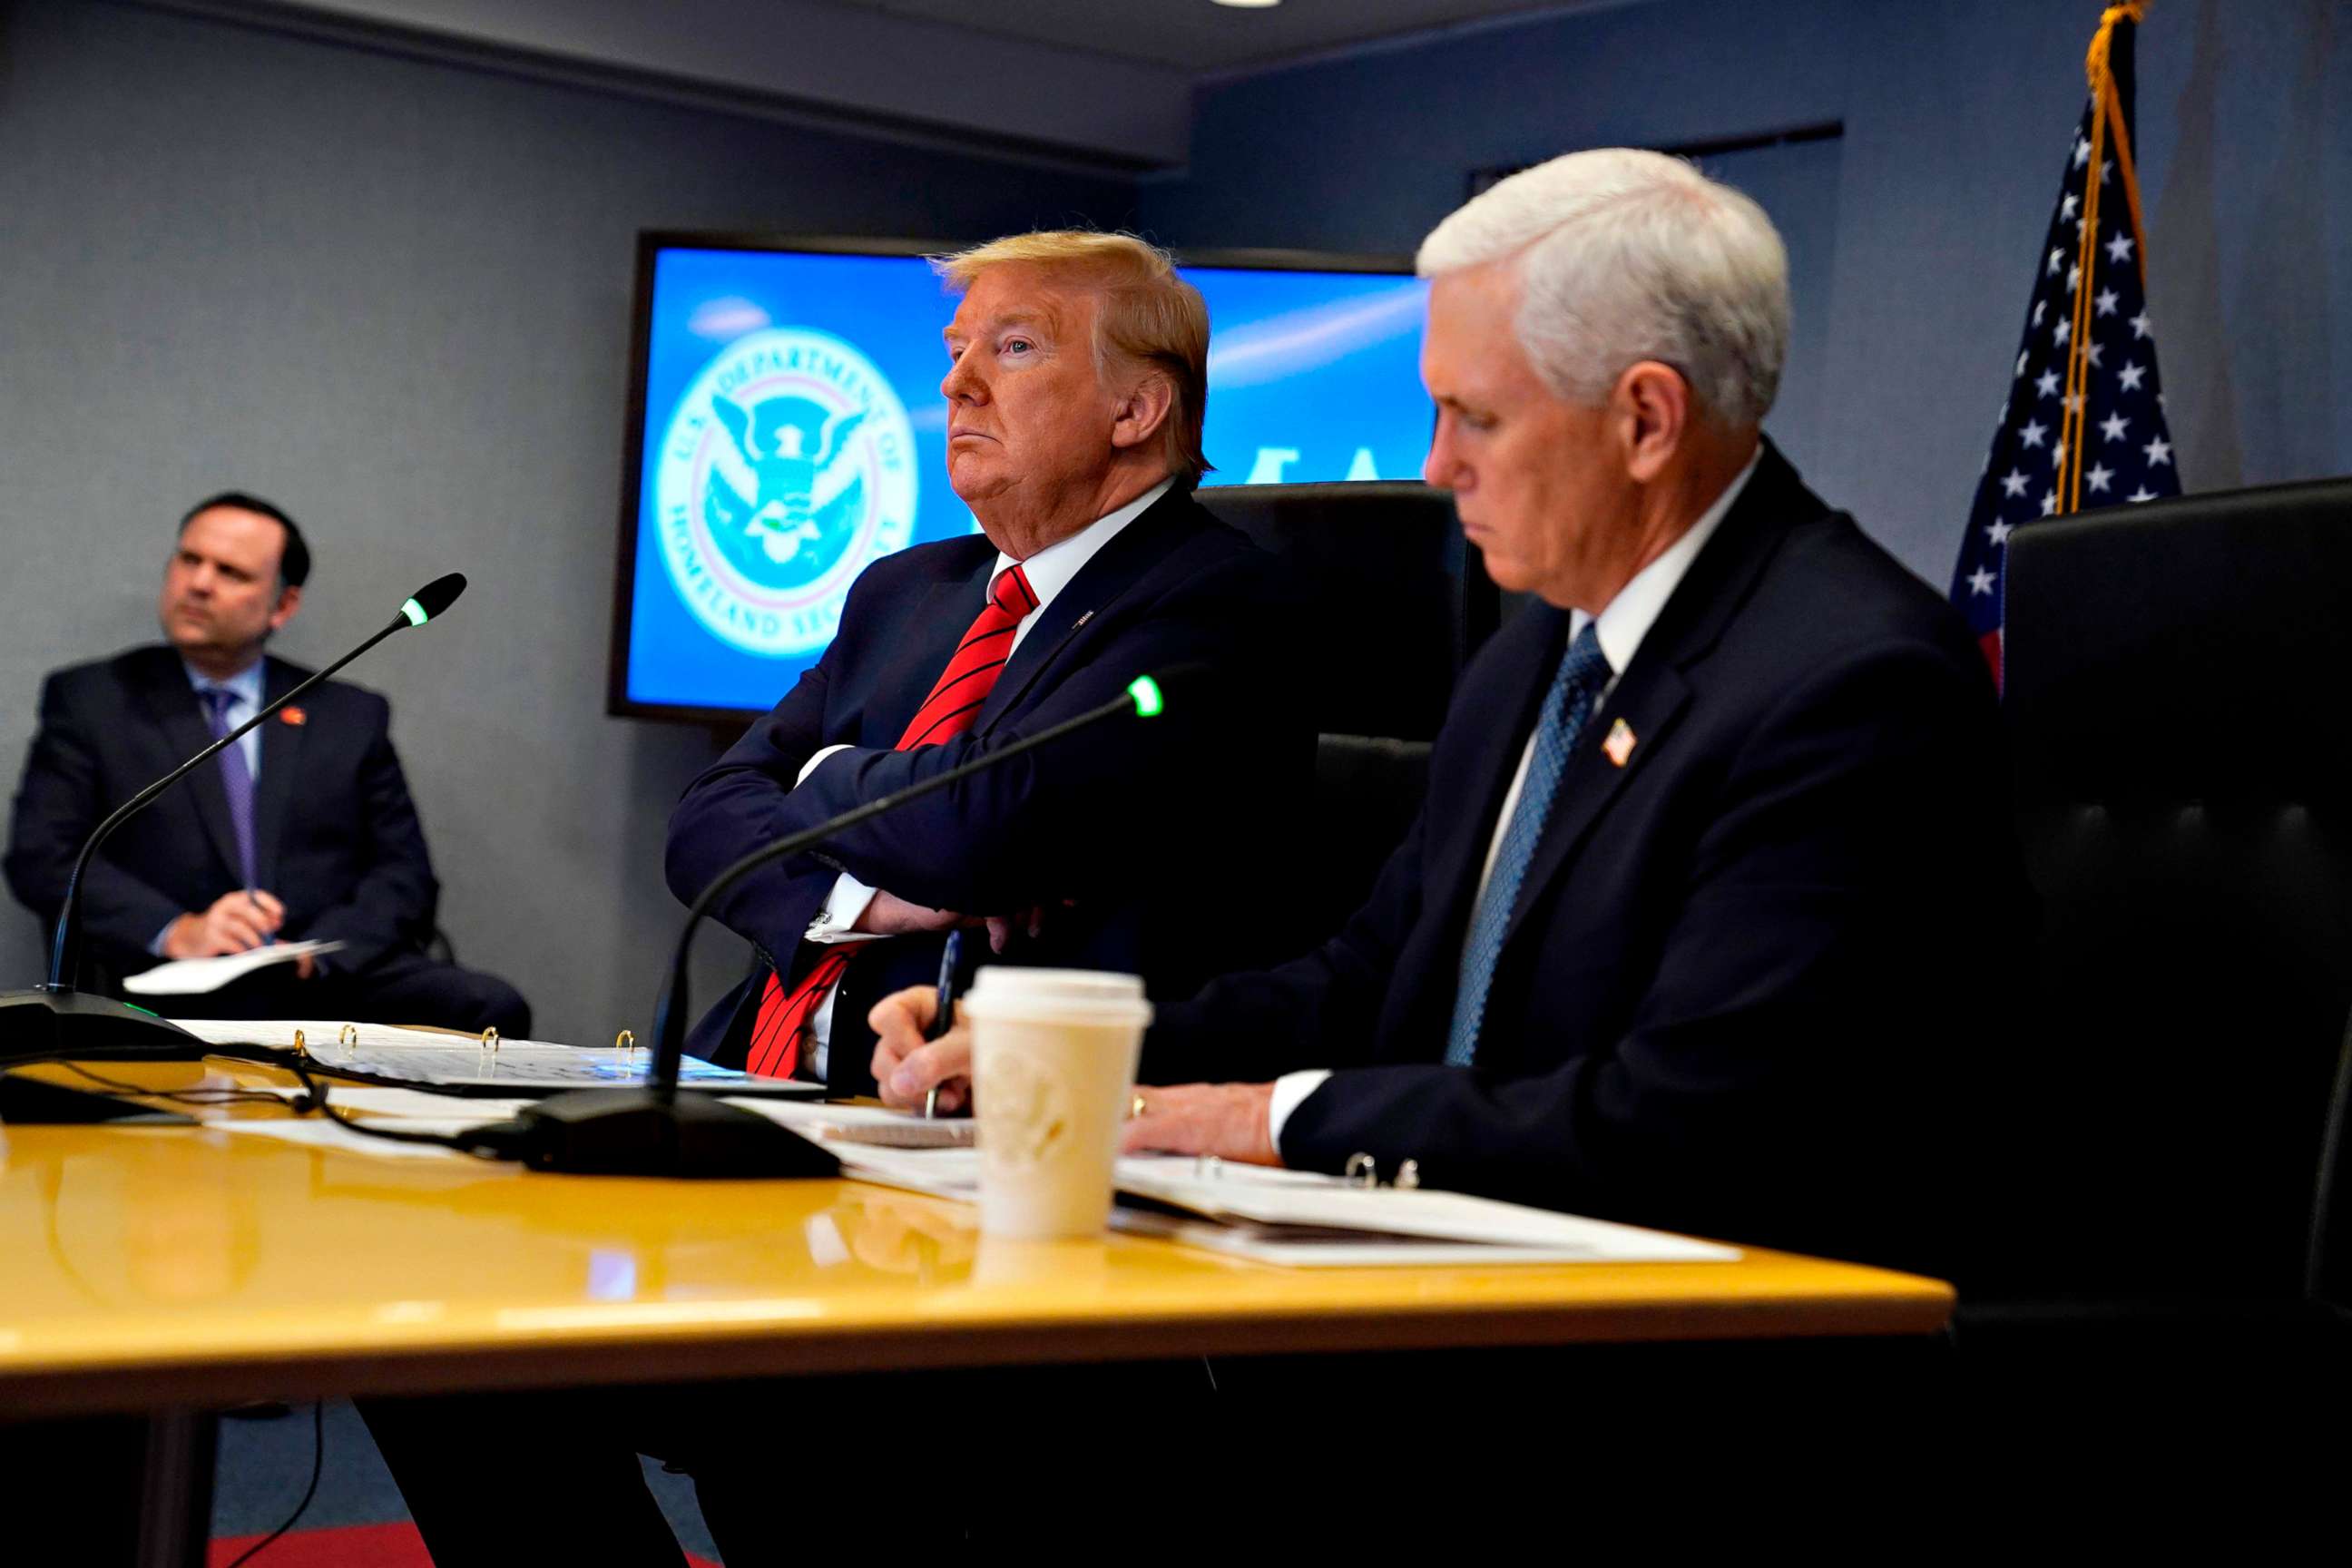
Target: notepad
x,y
192,976
873,1126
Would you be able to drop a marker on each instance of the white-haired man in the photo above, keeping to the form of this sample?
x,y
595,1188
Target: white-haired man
x,y
1700,916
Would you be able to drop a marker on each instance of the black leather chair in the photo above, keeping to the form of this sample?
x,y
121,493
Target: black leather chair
x,y
1391,604
2180,694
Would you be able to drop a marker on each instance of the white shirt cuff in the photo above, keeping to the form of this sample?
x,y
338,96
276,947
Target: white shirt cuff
x,y
1289,1090
849,896
842,907
810,766
832,925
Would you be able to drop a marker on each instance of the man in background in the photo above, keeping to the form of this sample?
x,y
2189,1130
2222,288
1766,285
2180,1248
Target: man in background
x,y
302,830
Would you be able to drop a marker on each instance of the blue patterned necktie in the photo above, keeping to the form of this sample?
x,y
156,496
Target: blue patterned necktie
x,y
235,777
1583,672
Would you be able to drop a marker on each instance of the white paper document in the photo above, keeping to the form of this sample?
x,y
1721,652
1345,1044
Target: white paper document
x,y
325,1132
1303,1218
412,1104
1331,1222
189,977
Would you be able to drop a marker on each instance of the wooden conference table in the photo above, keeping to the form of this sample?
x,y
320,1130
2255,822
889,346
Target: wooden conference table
x,y
160,1268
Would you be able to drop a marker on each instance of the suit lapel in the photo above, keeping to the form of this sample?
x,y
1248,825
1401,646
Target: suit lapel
x,y
171,702
1116,568
1648,707
1653,693
903,686
1458,849
1457,830
273,791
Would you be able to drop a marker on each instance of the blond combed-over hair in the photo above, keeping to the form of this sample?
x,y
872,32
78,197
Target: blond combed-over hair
x,y
1149,316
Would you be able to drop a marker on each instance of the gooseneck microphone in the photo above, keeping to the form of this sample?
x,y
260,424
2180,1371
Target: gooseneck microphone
x,y
658,1131
46,1019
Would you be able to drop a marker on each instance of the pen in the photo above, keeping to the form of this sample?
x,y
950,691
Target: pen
x,y
268,938
943,1016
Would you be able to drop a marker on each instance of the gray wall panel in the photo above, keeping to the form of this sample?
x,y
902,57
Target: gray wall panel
x,y
394,297
1956,118
394,294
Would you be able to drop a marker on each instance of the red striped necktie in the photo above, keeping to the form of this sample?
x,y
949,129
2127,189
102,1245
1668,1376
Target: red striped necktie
x,y
954,704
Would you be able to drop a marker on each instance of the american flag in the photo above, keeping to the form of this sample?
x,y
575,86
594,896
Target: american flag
x,y
2083,423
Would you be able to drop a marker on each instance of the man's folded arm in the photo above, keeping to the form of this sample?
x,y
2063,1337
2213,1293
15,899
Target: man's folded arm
x,y
1788,1055
742,802
1092,811
57,804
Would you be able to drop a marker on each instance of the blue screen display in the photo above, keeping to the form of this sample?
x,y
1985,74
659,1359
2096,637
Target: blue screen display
x,y
794,431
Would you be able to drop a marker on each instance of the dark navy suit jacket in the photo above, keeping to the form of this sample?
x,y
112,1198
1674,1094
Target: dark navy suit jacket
x,y
1746,969
335,833
1138,838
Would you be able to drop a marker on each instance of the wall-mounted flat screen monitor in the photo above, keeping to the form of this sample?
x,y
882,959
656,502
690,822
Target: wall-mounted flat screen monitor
x,y
787,428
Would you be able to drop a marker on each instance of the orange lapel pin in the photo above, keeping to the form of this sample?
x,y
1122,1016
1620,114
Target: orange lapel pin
x,y
1619,746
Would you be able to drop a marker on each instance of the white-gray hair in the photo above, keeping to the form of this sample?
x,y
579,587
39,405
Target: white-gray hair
x,y
1625,255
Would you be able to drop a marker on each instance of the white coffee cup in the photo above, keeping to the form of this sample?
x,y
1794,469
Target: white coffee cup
x,y
1053,1066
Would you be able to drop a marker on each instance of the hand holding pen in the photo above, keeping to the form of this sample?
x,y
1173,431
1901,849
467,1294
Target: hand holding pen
x,y
943,1018
922,1055
237,921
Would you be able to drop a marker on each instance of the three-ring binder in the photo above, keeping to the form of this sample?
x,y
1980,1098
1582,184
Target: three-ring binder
x,y
1363,1171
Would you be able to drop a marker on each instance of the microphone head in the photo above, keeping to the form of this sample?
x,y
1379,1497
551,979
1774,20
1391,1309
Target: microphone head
x,y
433,599
1149,690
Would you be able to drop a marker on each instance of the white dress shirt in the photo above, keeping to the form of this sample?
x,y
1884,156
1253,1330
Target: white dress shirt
x,y
1623,623
1049,572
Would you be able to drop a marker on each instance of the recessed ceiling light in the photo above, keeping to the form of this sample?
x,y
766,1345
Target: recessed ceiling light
x,y
1248,5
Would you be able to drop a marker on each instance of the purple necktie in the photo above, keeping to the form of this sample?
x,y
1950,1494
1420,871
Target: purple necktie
x,y
235,777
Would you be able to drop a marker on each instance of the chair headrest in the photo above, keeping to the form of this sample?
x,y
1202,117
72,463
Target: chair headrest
x,y
1391,602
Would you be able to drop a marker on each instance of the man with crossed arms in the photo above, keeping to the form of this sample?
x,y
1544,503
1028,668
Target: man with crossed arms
x,y
1704,914
1076,386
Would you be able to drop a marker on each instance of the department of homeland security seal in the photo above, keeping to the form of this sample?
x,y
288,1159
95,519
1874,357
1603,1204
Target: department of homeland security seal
x,y
788,464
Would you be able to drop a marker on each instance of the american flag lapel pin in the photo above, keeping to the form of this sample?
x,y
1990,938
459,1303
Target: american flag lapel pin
x,y
1619,746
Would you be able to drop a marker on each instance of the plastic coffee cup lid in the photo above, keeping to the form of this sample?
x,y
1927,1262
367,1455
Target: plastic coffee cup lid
x,y
1077,995
1089,984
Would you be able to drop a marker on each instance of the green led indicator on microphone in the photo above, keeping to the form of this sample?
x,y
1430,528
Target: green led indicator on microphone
x,y
1146,692
414,611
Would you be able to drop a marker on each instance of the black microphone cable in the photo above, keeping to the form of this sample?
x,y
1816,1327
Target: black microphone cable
x,y
489,1141
318,1468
